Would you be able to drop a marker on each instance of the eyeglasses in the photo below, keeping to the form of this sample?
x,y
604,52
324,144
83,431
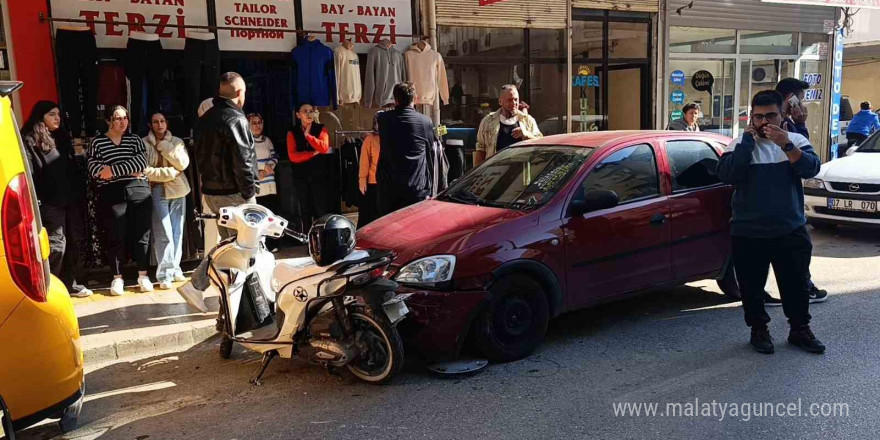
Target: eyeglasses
x,y
757,117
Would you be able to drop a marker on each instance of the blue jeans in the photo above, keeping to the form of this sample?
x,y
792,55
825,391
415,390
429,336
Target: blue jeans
x,y
168,217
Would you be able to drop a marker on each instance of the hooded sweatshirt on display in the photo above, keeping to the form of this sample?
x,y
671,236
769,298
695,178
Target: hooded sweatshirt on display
x,y
348,75
428,73
385,68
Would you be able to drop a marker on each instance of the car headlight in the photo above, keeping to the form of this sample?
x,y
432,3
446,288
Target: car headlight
x,y
814,184
427,271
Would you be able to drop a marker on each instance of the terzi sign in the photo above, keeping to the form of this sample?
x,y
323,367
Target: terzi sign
x,y
365,22
162,17
867,4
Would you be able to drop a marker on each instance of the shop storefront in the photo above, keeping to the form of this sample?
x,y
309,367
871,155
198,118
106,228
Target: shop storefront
x,y
489,44
719,54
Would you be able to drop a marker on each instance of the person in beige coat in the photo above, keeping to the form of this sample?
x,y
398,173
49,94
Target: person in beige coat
x,y
166,161
504,127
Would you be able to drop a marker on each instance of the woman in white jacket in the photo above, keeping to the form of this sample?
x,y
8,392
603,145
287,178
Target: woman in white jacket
x,y
166,161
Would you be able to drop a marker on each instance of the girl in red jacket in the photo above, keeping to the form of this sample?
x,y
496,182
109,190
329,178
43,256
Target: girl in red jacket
x,y
308,147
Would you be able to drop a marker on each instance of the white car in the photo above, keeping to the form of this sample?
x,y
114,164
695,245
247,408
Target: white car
x,y
846,191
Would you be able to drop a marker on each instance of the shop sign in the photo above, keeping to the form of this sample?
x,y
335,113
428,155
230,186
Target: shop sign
x,y
866,4
677,78
162,17
365,22
676,115
813,94
677,97
813,79
271,16
703,81
584,78
836,76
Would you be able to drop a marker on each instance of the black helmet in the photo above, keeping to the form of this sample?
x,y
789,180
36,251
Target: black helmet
x,y
331,239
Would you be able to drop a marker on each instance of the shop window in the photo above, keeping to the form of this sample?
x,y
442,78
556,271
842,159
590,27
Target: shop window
x,y
762,42
628,40
547,43
453,41
815,44
586,39
474,90
814,72
701,40
547,97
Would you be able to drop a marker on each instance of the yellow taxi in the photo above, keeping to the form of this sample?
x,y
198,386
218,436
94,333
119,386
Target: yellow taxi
x,y
41,364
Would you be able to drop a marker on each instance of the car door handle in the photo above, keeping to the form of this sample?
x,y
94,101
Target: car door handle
x,y
658,220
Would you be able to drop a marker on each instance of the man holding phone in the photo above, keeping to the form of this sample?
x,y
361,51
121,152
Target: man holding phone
x,y
505,127
795,114
766,165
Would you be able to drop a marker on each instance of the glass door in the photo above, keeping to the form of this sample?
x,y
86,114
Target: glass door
x,y
757,75
709,83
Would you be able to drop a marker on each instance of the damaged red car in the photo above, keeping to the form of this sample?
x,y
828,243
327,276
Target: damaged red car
x,y
553,225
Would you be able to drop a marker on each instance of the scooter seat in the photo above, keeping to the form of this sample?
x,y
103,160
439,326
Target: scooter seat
x,y
294,269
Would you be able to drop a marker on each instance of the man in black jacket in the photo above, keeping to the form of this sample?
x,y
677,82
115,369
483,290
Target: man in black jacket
x,y
224,150
405,136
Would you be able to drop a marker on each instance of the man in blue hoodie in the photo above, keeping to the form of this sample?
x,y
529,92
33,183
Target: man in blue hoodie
x,y
766,165
862,125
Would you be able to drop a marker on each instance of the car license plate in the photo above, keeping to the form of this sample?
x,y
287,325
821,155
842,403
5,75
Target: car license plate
x,y
852,205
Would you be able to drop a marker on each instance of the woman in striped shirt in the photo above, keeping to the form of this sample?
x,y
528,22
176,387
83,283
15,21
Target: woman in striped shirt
x,y
117,160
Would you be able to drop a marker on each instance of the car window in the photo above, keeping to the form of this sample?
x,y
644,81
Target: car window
x,y
630,172
870,145
692,164
518,178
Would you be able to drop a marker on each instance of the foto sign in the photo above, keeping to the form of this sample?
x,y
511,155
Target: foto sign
x,y
836,78
365,23
164,18
272,15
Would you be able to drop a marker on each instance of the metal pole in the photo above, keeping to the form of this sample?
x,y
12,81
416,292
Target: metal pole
x,y
569,74
431,15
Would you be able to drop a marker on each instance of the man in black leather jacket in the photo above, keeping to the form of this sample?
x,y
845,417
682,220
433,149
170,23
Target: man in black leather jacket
x,y
224,150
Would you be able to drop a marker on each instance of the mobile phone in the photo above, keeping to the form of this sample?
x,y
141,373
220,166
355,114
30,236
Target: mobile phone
x,y
793,102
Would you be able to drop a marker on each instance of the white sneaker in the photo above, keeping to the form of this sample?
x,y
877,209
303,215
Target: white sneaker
x,y
84,293
193,296
117,287
165,285
145,284
178,277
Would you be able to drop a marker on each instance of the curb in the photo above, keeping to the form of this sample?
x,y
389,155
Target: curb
x,y
175,337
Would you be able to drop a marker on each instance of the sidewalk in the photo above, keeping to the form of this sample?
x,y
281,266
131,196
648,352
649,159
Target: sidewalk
x,y
118,327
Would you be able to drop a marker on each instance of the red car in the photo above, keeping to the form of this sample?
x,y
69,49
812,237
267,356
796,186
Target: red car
x,y
557,224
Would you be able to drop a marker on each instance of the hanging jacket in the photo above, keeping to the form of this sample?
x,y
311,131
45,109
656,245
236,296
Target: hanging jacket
x,y
348,75
166,161
427,73
385,68
349,151
312,76
438,167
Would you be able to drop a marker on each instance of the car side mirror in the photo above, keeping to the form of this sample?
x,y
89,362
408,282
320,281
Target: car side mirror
x,y
595,200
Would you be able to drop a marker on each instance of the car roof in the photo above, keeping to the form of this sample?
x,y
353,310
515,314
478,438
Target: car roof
x,y
599,139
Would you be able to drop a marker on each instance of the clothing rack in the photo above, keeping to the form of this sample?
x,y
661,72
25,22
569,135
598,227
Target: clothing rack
x,y
43,18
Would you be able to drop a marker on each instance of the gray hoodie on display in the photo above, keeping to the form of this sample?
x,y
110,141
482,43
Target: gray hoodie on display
x,y
385,68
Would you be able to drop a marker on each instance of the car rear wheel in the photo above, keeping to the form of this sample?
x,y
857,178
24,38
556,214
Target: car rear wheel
x,y
514,322
728,284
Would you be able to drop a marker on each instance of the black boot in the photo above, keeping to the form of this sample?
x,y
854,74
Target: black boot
x,y
804,338
761,341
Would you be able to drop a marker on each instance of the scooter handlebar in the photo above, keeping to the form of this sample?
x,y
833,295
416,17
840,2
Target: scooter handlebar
x,y
302,238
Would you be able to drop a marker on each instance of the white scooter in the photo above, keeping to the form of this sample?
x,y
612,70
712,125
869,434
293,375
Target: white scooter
x,y
343,314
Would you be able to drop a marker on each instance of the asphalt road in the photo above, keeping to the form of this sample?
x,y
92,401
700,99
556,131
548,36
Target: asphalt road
x,y
665,347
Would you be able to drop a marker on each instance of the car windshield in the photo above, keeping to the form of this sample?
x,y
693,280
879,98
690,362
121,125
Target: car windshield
x,y
870,145
518,178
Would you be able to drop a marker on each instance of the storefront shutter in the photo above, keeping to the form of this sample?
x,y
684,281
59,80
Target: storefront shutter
x,y
749,15
619,5
539,14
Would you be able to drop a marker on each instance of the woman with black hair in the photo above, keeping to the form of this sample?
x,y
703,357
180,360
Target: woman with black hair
x,y
308,145
117,159
59,186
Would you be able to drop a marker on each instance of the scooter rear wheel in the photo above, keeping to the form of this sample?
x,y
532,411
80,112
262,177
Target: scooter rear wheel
x,y
382,358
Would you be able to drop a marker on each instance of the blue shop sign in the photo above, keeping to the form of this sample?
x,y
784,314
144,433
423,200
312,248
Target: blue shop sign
x,y
677,97
677,78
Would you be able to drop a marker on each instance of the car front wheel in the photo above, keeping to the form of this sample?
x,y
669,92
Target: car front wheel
x,y
514,321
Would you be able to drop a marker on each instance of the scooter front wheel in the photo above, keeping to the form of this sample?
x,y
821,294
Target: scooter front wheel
x,y
381,357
